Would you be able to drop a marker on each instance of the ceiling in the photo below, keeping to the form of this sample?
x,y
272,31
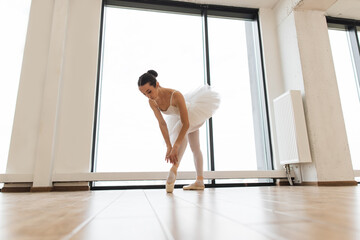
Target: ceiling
x,y
345,9
335,8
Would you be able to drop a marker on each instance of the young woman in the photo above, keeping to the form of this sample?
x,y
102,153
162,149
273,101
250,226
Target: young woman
x,y
186,114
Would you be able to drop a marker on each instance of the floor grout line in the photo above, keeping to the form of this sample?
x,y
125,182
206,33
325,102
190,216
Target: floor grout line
x,y
166,232
87,221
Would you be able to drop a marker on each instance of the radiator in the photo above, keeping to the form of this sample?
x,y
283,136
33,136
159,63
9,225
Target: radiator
x,y
291,133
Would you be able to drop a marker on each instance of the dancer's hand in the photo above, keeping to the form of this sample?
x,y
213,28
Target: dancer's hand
x,y
173,156
168,151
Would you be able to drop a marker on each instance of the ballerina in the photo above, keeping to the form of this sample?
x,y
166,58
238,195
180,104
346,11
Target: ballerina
x,y
186,114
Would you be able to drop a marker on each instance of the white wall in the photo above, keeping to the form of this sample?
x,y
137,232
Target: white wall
x,y
76,108
273,70
326,127
28,107
53,123
307,65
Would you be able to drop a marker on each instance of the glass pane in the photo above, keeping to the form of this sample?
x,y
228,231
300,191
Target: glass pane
x,y
13,26
129,139
348,91
234,141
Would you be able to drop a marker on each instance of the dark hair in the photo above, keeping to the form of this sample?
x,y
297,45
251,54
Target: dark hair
x,y
148,77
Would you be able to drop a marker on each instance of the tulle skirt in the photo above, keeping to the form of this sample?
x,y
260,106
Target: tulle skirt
x,y
201,105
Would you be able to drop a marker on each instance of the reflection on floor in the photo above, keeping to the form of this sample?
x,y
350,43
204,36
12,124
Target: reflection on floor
x,y
223,213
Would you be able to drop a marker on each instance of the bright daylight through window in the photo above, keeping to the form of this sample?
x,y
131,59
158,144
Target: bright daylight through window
x,y
233,123
136,40
347,80
13,26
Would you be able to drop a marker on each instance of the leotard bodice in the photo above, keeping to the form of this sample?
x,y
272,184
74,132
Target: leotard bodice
x,y
201,103
172,110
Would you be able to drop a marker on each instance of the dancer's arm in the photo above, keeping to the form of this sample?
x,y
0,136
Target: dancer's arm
x,y
162,125
179,102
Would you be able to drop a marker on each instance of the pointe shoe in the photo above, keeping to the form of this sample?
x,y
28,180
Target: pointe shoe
x,y
195,186
170,185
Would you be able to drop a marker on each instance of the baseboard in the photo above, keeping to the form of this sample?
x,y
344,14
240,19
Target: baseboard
x,y
307,184
41,189
282,182
70,188
59,187
338,183
15,189
286,183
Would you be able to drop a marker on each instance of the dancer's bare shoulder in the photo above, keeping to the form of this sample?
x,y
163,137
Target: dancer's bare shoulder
x,y
153,105
178,98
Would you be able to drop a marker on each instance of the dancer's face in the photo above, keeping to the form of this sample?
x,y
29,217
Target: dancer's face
x,y
149,91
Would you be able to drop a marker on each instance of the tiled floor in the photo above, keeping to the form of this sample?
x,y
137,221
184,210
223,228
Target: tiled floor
x,y
222,213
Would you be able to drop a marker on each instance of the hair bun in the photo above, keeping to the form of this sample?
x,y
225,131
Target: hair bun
x,y
153,72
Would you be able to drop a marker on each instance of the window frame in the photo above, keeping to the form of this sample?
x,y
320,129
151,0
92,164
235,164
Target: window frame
x,y
256,71
352,28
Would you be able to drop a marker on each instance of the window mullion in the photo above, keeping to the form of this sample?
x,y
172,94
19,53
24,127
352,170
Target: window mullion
x,y
208,81
355,54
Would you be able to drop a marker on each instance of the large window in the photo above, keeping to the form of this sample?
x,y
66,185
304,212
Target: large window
x,y
13,25
129,138
188,47
233,124
345,49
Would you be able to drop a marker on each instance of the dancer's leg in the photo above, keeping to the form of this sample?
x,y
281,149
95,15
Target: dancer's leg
x,y
194,142
170,182
181,152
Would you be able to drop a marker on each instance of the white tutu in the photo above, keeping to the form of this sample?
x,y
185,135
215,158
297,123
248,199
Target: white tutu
x,y
201,105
